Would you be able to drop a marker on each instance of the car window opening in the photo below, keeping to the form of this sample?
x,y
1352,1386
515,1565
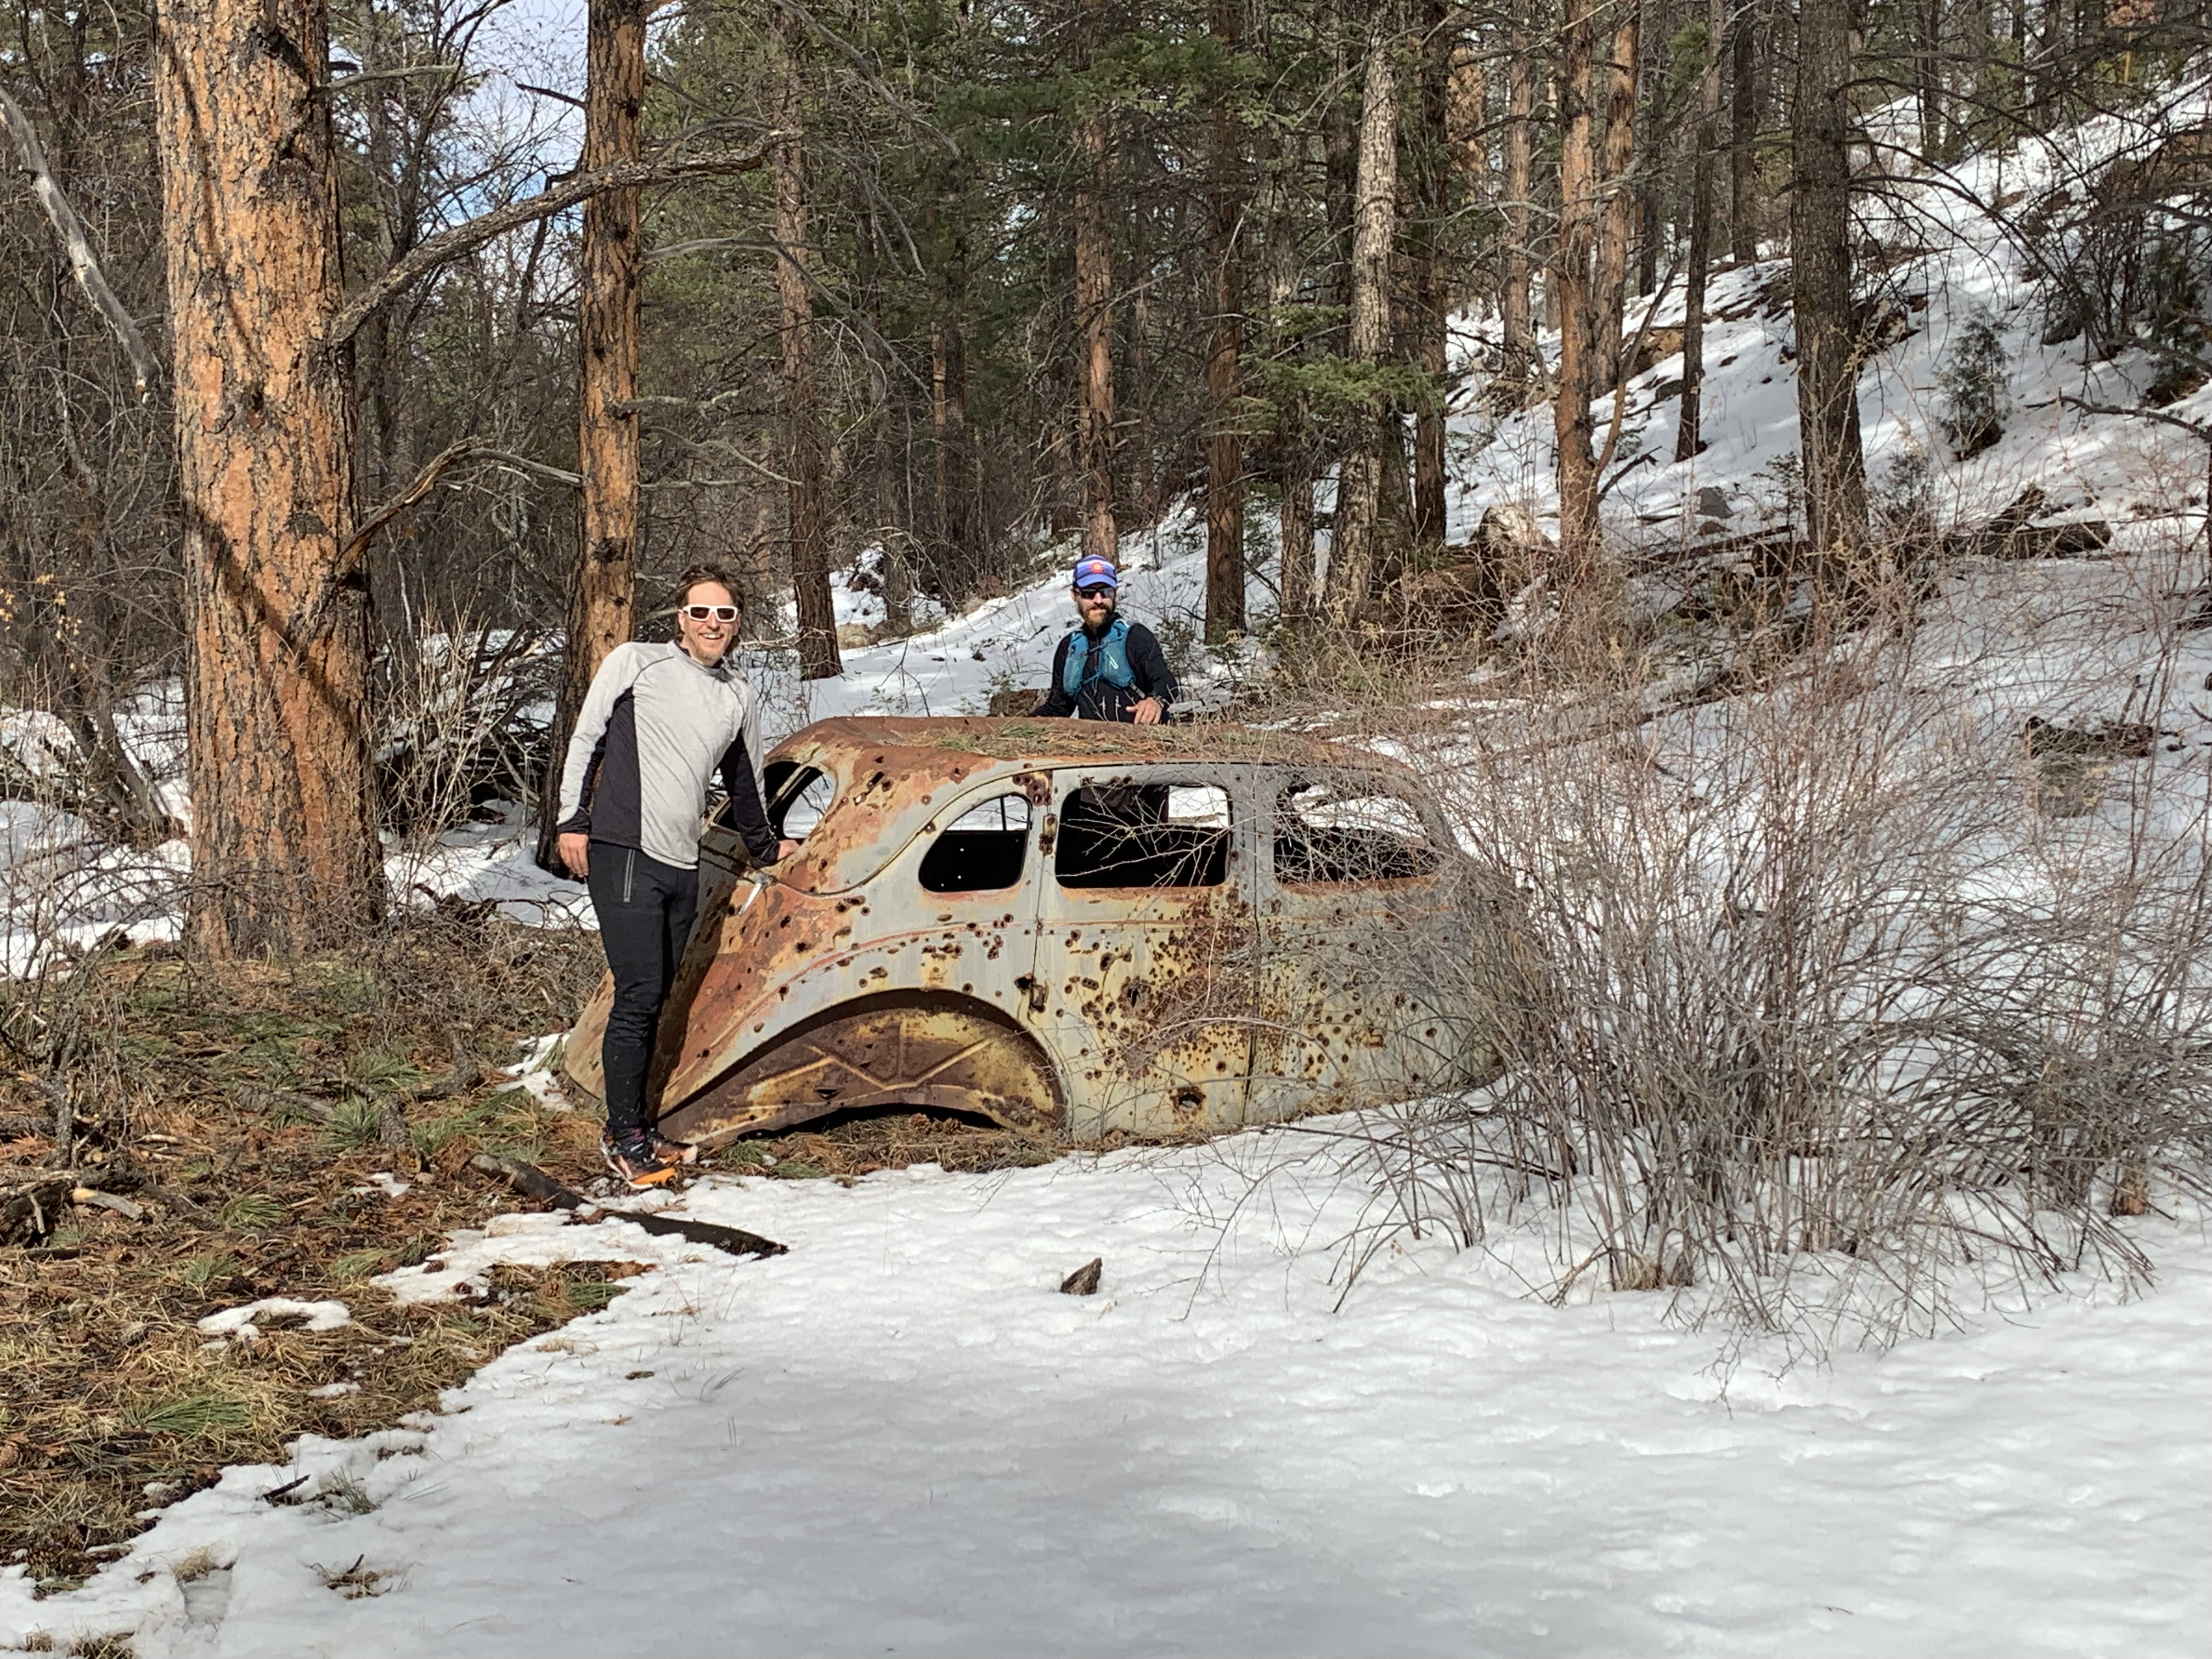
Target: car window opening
x,y
795,797
981,851
1148,835
1323,836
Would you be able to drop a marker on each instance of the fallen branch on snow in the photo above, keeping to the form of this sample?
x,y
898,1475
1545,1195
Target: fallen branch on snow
x,y
533,1182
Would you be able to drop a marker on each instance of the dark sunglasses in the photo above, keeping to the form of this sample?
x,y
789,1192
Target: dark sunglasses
x,y
701,612
1094,592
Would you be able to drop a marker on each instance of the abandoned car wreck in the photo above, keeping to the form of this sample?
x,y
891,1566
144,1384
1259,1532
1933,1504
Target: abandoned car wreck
x,y
1071,928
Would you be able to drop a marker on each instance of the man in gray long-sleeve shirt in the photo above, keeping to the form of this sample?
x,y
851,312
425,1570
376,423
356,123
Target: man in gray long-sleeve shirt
x,y
659,722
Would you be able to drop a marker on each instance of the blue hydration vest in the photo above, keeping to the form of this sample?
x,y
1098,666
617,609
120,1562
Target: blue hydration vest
x,y
1109,662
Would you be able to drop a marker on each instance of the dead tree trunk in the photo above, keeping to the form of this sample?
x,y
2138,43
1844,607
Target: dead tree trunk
x,y
603,588
1688,437
1821,289
809,540
1224,444
1374,229
1094,312
284,848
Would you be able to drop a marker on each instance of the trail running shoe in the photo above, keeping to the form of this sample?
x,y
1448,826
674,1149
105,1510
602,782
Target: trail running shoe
x,y
632,1160
673,1152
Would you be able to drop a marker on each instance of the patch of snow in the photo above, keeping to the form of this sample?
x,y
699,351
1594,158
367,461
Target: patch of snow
x,y
243,1324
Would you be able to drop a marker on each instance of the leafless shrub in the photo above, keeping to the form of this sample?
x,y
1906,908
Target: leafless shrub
x,y
463,714
1805,1001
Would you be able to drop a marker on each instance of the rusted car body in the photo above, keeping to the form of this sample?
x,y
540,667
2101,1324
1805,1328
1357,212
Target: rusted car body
x,y
1071,928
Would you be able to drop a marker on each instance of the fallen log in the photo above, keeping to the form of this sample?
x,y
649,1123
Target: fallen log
x,y
533,1182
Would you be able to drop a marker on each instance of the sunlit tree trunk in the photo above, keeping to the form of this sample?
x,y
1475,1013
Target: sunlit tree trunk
x,y
1617,221
603,585
284,847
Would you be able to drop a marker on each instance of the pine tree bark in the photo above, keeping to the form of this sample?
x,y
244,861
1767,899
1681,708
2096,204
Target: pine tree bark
x,y
1688,433
1094,311
1618,157
1224,444
1834,461
610,266
818,657
1374,230
284,848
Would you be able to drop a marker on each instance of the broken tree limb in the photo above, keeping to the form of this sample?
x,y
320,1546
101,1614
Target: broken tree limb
x,y
77,245
93,1198
533,1182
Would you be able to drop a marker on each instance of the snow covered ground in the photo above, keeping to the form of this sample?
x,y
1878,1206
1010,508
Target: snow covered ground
x,y
900,1438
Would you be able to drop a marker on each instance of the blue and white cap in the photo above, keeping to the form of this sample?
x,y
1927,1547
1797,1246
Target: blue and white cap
x,y
1096,573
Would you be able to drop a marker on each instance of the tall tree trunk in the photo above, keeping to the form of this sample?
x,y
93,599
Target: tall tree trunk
x,y
1431,285
1291,449
1617,222
810,534
603,588
1374,229
1224,444
284,848
1834,462
1745,70
1520,367
1573,288
1688,435
1094,312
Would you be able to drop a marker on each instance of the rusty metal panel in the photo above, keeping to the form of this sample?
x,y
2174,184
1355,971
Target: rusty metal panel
x,y
899,1048
1148,990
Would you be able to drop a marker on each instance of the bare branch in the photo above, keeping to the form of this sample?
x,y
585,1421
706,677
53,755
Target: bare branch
x,y
424,483
458,240
71,229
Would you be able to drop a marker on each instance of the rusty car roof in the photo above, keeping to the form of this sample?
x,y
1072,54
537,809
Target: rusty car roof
x,y
893,772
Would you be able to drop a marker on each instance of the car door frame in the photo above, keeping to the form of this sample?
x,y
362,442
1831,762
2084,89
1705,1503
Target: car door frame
x,y
1113,963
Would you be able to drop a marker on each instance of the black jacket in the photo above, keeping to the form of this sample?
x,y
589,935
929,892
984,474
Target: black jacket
x,y
1104,701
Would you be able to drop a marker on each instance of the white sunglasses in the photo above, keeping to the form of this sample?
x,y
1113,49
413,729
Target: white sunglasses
x,y
728,613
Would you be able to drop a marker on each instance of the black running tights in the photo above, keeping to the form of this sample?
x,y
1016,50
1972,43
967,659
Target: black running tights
x,y
645,909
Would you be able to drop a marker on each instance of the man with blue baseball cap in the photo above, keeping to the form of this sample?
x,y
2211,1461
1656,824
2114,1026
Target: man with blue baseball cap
x,y
1108,669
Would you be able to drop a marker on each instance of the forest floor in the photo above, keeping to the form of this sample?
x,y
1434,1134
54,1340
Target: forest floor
x,y
292,1134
